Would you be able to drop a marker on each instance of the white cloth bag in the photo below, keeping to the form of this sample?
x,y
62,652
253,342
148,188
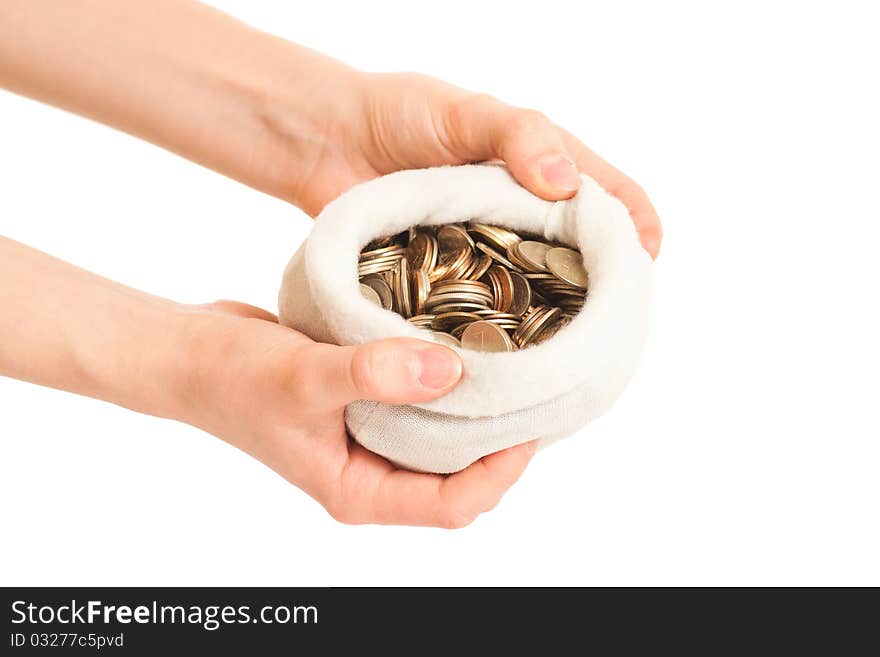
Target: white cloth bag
x,y
546,391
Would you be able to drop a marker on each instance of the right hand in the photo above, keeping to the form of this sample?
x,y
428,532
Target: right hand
x,y
280,397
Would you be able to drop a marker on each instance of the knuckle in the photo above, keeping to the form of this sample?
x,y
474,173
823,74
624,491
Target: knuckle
x,y
295,367
526,120
343,513
455,518
364,366
460,112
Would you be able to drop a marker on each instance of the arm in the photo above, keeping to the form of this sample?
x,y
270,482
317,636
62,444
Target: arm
x,y
231,370
272,114
177,73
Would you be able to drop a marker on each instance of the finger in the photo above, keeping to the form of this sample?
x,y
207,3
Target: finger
x,y
480,127
398,371
384,495
615,182
479,487
241,310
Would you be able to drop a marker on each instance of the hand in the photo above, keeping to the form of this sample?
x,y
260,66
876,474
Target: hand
x,y
280,396
285,119
406,121
231,370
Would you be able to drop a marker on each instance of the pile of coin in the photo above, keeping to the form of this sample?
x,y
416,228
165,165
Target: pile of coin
x,y
475,286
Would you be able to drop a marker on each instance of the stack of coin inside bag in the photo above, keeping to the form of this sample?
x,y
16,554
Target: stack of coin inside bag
x,y
475,286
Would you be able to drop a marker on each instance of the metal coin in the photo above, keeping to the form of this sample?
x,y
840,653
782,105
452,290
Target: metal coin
x,y
499,290
422,321
446,322
371,295
401,289
382,251
446,339
522,294
568,266
441,299
497,257
421,253
504,291
485,336
495,236
481,266
381,288
533,255
453,242
421,287
458,307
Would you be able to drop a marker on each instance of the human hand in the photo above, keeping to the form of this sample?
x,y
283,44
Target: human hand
x,y
232,370
285,119
405,121
280,397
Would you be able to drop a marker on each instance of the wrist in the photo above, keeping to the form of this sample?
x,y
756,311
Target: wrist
x,y
205,366
305,108
140,359
183,362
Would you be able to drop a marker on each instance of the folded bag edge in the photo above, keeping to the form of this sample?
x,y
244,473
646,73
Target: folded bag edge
x,y
583,353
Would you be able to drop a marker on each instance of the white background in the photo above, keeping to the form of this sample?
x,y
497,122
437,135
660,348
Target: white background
x,y
745,451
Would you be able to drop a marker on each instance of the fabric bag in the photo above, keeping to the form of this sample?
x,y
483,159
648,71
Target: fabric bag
x,y
546,391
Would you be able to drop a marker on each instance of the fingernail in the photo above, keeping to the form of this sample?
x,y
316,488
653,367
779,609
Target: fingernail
x,y
559,172
652,246
440,367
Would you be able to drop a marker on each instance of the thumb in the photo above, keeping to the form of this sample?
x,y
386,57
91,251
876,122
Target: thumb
x,y
398,370
532,146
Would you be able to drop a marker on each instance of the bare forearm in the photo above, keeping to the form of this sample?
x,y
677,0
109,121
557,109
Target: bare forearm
x,y
67,328
181,75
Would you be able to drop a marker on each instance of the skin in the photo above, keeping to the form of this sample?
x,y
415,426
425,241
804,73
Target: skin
x,y
301,126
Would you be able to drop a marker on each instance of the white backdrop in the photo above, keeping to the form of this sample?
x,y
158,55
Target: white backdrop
x,y
746,450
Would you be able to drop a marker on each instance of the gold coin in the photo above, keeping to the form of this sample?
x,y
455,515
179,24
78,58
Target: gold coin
x,y
401,289
534,324
381,287
568,266
548,332
464,297
461,230
497,257
422,321
532,255
485,336
421,287
453,241
383,251
486,285
454,269
504,290
463,285
458,306
446,322
481,266
522,294
495,236
422,251
446,339
371,295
